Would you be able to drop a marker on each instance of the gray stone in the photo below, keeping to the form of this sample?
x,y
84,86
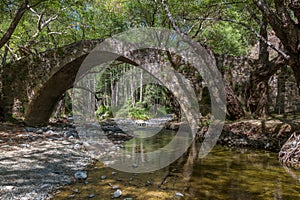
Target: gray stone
x,y
25,145
40,131
134,165
80,175
103,177
117,193
71,134
178,194
30,129
115,187
77,146
45,186
91,195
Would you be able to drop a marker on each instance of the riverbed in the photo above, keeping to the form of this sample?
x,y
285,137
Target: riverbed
x,y
225,173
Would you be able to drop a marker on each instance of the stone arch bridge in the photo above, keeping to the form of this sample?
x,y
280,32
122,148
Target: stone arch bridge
x,y
33,85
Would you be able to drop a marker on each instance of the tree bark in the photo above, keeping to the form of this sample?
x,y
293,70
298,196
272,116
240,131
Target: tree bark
x,y
257,101
234,108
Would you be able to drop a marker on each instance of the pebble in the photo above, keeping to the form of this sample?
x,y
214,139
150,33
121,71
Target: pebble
x,y
134,165
77,146
8,187
128,199
179,194
103,177
115,187
91,195
113,173
30,129
45,186
25,145
71,134
40,131
50,132
117,193
80,175
76,190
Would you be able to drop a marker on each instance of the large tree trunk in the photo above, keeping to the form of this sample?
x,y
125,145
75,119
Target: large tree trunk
x,y
284,19
258,87
234,108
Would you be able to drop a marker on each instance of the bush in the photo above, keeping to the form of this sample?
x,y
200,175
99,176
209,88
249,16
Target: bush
x,y
103,112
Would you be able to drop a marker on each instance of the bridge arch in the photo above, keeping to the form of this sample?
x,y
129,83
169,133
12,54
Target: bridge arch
x,y
48,75
62,75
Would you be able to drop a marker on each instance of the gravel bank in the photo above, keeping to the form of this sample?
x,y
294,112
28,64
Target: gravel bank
x,y
34,162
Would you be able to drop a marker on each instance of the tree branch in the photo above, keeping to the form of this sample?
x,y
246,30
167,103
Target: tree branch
x,y
177,29
278,50
23,8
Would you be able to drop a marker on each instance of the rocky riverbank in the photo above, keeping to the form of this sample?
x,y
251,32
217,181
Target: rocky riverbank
x,y
277,135
260,134
36,161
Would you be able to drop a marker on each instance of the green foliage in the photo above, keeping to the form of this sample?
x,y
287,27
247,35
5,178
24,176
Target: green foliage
x,y
225,38
138,113
77,20
103,112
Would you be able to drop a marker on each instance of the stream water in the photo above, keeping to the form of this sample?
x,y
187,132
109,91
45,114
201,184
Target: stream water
x,y
225,173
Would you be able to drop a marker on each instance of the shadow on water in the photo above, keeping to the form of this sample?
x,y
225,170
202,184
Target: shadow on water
x,y
225,173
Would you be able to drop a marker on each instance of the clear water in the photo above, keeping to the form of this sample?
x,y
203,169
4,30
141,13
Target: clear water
x,y
223,174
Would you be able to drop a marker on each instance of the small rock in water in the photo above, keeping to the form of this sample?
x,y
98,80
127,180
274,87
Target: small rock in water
x,y
80,175
113,173
103,177
91,195
179,194
134,165
117,193
128,199
115,187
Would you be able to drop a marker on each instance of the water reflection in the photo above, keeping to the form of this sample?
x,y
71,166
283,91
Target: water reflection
x,y
223,174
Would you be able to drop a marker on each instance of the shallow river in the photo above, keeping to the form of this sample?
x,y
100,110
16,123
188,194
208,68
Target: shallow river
x,y
223,174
